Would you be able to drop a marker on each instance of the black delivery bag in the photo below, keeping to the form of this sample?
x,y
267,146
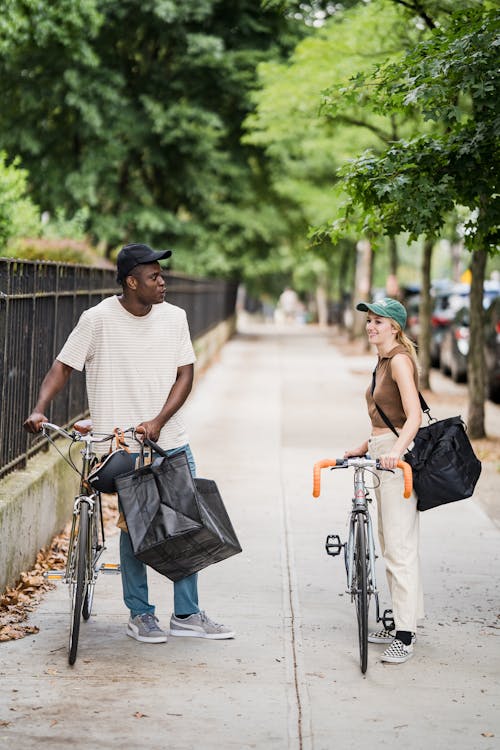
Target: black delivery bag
x,y
445,467
177,525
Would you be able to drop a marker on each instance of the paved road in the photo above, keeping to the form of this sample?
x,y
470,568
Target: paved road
x,y
274,403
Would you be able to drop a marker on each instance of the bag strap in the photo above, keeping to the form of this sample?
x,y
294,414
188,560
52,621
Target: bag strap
x,y
423,405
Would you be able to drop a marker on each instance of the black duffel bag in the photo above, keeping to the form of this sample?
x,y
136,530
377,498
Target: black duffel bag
x,y
445,467
177,525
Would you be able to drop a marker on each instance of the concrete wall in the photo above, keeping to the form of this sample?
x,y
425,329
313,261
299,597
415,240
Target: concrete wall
x,y
36,503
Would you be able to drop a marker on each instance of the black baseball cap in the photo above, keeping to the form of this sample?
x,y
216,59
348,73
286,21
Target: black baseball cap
x,y
134,255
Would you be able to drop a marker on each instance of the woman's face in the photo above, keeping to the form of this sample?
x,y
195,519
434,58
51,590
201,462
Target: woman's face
x,y
380,330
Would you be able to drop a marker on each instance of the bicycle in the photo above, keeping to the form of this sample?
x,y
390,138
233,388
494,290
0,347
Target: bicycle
x,y
359,549
87,537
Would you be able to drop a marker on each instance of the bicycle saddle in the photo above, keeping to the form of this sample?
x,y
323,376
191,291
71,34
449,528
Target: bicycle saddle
x,y
83,426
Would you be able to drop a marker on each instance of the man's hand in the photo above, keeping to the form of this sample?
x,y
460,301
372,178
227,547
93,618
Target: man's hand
x,y
34,422
150,429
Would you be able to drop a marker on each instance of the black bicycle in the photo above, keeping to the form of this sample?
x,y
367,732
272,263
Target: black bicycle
x,y
87,538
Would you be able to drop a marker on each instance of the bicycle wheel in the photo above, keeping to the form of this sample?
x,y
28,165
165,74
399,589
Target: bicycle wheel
x,y
78,582
360,591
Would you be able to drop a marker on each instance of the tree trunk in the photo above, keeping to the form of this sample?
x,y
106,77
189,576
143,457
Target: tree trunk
x,y
393,256
362,285
322,301
424,316
475,362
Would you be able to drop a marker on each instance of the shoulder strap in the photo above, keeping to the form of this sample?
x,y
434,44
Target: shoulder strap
x,y
423,405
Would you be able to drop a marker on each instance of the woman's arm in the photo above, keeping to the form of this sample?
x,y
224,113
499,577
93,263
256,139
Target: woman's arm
x,y
359,451
402,373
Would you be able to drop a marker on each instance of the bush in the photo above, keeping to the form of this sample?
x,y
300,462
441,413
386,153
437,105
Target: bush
x,y
18,214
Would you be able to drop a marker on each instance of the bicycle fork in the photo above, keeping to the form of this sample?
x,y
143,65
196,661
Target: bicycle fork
x,y
70,570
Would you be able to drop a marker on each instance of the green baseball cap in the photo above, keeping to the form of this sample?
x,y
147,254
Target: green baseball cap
x,y
386,308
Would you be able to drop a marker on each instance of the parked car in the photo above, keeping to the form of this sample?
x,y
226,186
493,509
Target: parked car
x,y
454,347
447,301
492,349
456,341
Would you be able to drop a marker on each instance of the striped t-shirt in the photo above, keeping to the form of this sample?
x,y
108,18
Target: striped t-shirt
x,y
130,365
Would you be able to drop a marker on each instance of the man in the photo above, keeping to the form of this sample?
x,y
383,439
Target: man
x,y
139,361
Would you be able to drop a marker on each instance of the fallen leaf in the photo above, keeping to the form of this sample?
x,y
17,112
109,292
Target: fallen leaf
x,y
18,601
53,723
487,734
4,723
138,715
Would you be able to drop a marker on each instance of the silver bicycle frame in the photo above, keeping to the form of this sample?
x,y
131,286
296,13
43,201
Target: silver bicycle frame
x,y
360,507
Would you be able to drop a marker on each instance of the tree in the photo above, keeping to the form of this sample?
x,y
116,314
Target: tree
x,y
452,80
17,211
304,143
134,110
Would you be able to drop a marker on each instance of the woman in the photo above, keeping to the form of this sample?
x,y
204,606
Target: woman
x,y
394,391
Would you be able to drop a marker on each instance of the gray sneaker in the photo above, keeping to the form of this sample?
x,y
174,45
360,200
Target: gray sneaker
x,y
145,628
199,626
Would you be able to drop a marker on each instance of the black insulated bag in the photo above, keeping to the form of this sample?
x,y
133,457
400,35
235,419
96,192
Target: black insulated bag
x,y
444,465
445,468
177,525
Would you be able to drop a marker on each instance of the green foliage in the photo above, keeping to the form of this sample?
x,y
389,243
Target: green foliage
x,y
18,214
452,80
305,141
133,110
62,250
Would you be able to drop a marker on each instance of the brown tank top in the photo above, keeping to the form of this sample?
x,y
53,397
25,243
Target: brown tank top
x,y
386,393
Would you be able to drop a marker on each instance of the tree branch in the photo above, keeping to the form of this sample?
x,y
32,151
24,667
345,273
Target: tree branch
x,y
417,8
347,120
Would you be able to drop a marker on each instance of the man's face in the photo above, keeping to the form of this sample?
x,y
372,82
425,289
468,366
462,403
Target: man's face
x,y
148,283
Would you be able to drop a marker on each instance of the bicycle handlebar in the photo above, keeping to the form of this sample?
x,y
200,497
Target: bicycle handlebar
x,y
359,462
75,435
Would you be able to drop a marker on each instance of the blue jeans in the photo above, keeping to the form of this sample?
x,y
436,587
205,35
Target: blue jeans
x,y
134,573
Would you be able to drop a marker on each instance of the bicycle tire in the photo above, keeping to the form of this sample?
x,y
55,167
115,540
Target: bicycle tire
x,y
78,583
96,547
89,593
361,592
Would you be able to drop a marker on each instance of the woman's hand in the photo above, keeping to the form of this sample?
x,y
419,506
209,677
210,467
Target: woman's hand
x,y
359,451
389,461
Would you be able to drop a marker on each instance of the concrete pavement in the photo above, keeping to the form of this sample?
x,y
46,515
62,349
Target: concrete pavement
x,y
276,401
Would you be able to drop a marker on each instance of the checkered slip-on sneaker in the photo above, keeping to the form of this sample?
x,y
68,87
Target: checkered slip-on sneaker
x,y
381,636
398,652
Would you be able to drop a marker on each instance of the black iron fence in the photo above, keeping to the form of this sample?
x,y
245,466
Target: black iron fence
x,y
40,303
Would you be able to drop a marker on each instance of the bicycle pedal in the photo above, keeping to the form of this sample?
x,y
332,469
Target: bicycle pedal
x,y
110,568
54,575
333,545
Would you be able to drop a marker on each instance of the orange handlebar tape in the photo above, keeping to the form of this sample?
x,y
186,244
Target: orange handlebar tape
x,y
408,478
323,464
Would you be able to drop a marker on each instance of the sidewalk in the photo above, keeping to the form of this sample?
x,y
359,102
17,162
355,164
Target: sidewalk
x,y
276,401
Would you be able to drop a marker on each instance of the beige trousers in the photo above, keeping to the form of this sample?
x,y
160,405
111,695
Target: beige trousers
x,y
398,533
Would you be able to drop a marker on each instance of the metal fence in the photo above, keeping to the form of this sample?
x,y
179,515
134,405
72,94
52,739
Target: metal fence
x,y
40,303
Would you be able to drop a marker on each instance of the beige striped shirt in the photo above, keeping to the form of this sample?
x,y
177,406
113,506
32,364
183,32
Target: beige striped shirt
x,y
130,365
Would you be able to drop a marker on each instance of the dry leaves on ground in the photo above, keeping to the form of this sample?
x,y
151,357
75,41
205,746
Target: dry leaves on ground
x,y
18,601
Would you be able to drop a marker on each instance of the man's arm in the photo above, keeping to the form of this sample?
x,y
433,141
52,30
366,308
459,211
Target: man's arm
x,y
177,396
53,382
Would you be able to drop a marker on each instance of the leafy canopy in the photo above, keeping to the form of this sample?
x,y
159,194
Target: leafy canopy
x,y
452,80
